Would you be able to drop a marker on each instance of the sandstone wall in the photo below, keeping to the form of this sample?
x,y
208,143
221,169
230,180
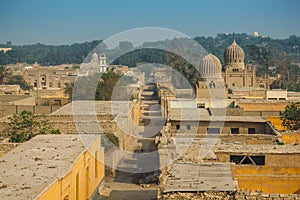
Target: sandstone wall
x,y
14,109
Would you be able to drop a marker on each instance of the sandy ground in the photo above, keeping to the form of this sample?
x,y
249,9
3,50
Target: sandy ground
x,y
126,185
115,190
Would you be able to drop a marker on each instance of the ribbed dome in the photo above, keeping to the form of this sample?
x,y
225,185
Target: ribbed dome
x,y
210,64
234,54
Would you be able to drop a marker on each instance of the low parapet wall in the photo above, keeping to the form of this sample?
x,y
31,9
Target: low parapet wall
x,y
16,109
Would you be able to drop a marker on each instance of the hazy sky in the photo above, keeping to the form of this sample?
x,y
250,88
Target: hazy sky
x,y
70,21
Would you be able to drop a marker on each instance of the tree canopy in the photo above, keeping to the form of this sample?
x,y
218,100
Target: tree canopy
x,y
291,117
100,87
261,51
7,78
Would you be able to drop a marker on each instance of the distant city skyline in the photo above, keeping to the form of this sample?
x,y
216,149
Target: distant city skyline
x,y
70,21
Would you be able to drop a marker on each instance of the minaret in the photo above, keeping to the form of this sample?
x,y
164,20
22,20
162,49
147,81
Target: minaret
x,y
102,63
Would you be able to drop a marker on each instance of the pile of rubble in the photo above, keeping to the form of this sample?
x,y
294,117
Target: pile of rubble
x,y
200,195
240,195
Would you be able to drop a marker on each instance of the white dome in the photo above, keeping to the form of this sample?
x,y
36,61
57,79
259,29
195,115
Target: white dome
x,y
210,64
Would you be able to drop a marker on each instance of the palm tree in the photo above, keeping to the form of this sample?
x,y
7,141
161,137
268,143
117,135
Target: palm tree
x,y
2,74
5,74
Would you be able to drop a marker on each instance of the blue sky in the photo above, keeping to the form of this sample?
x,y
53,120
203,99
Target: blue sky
x,y
70,21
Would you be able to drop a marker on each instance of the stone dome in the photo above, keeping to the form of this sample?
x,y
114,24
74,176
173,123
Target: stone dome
x,y
210,64
234,54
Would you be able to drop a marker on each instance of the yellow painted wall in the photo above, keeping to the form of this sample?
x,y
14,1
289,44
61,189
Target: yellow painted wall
x,y
276,121
65,188
290,138
268,179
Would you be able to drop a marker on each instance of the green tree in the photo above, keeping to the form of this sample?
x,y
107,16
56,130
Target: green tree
x,y
107,85
26,125
110,138
69,90
4,74
291,117
18,80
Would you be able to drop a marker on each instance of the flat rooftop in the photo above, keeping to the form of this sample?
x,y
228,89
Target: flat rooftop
x,y
202,114
36,164
257,149
194,177
120,108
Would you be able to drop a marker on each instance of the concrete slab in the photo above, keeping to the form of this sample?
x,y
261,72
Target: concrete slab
x,y
193,177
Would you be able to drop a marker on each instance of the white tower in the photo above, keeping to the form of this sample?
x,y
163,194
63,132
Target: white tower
x,y
102,63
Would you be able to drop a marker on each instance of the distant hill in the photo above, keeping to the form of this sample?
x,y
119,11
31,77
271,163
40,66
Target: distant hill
x,y
260,51
76,53
47,54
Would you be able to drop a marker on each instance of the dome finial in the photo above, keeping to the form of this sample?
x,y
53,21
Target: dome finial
x,y
234,42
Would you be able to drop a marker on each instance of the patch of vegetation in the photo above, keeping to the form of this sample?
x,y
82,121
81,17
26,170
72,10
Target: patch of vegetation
x,y
291,117
112,138
24,126
7,78
232,105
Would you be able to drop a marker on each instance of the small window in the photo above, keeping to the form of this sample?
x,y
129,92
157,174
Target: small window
x,y
235,130
57,102
177,127
251,130
50,84
188,127
200,105
247,160
213,130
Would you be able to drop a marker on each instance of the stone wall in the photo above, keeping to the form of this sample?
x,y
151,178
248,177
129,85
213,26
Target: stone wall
x,y
262,113
11,97
13,109
227,111
283,160
249,139
6,147
67,125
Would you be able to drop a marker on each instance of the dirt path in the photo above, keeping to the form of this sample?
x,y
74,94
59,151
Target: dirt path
x,y
137,174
